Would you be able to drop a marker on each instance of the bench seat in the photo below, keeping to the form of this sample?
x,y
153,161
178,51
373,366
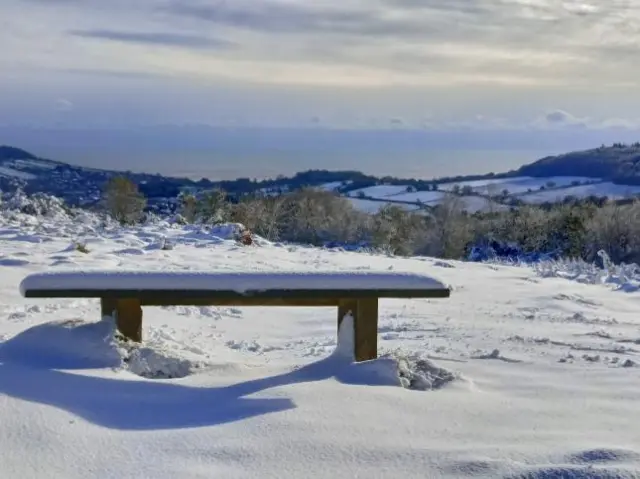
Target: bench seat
x,y
123,293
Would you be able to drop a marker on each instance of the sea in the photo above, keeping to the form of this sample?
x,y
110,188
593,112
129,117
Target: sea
x,y
258,154
216,165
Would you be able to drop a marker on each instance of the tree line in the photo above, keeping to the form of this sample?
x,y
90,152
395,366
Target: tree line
x,y
577,229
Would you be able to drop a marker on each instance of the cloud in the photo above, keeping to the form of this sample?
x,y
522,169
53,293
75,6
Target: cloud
x,y
157,38
62,104
559,119
519,43
108,73
621,124
279,17
344,61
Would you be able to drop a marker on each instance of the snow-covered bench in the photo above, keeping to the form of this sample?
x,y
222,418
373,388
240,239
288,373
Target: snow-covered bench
x,y
123,293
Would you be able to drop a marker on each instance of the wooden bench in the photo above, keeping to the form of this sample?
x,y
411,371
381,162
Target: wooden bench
x,y
123,293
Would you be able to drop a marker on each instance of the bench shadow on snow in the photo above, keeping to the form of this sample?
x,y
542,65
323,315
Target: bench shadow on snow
x,y
32,364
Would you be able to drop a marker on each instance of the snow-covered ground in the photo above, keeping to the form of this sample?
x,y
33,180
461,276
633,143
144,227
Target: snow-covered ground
x,y
524,188
520,184
372,206
523,372
473,204
427,197
379,191
334,185
608,189
15,173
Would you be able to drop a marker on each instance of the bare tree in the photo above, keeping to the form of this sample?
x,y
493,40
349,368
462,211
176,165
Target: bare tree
x,y
397,230
264,215
316,216
188,207
615,229
212,207
492,192
123,200
449,229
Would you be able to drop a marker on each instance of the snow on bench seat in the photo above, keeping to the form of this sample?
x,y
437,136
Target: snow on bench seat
x,y
92,283
123,293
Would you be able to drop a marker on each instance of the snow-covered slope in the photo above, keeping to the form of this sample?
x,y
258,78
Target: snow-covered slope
x,y
83,186
608,189
518,184
525,189
373,206
523,372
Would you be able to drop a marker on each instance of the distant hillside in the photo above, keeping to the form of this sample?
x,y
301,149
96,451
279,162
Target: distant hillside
x,y
11,153
618,163
576,175
78,185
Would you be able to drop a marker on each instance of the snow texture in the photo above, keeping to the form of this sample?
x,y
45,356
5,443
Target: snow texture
x,y
379,191
518,184
226,281
373,206
608,189
527,371
15,173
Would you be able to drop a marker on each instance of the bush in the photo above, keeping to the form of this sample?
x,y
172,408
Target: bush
x,y
576,229
448,230
395,230
123,201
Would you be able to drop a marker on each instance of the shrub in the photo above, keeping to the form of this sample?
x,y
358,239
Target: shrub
x,y
123,201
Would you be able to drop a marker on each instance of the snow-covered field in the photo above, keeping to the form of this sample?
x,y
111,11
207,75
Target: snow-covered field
x,y
469,203
473,204
372,206
427,197
379,191
524,188
608,189
8,172
523,372
520,184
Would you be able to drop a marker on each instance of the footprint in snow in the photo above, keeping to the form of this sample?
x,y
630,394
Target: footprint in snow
x,y
131,251
13,262
63,262
443,264
495,354
251,346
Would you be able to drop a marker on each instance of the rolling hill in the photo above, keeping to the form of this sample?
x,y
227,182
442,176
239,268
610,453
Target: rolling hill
x,y
618,163
612,172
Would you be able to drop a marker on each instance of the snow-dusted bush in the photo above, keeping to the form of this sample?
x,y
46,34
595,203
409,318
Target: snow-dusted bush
x,y
48,215
38,204
321,218
123,201
621,276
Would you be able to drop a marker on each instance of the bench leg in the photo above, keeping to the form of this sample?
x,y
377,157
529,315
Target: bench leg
x,y
129,319
365,324
108,306
366,330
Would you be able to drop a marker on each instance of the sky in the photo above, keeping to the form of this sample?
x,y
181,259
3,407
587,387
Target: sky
x,y
495,68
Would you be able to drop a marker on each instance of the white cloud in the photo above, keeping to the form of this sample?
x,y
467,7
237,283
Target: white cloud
x,y
394,58
560,119
519,42
62,104
621,123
